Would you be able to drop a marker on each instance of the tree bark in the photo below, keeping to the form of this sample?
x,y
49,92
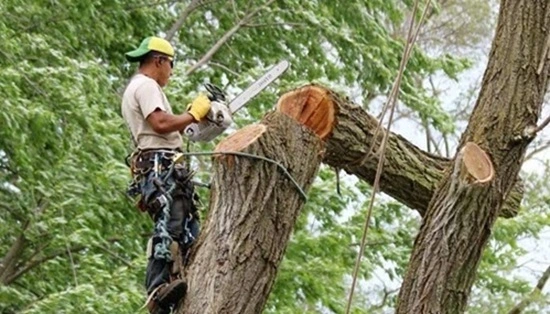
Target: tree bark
x,y
253,208
410,174
8,264
460,216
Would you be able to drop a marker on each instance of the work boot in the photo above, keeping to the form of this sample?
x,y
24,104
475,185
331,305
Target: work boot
x,y
165,297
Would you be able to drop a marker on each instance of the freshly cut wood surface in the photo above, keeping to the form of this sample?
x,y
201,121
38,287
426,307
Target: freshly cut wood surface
x,y
241,139
477,163
312,106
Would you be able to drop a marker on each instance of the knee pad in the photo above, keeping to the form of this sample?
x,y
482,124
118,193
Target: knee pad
x,y
174,249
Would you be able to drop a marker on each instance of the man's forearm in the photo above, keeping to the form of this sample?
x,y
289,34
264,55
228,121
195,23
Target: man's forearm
x,y
163,123
178,122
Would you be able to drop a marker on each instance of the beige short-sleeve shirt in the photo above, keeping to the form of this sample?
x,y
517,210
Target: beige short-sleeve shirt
x,y
142,96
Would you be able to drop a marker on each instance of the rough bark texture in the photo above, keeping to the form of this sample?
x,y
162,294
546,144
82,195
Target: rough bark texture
x,y
458,222
410,174
253,208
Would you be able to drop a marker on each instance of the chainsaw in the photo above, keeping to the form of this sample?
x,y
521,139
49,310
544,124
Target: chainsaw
x,y
220,116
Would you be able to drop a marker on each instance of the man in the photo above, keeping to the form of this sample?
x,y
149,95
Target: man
x,y
160,178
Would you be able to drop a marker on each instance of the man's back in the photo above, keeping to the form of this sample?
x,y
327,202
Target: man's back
x,y
143,96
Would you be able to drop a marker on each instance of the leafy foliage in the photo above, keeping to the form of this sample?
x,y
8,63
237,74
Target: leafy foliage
x,y
73,242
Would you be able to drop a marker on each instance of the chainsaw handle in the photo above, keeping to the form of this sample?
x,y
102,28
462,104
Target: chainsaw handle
x,y
214,93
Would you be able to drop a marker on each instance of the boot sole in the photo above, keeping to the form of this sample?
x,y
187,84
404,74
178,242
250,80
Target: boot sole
x,y
171,296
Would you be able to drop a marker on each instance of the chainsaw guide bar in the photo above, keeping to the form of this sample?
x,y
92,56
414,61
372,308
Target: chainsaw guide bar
x,y
220,116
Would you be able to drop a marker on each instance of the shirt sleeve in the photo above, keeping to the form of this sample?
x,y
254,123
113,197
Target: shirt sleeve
x,y
149,97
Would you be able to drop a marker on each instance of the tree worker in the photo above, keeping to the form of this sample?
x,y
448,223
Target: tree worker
x,y
160,178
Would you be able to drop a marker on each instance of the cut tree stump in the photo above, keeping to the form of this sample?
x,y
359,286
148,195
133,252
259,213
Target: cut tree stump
x,y
410,174
253,208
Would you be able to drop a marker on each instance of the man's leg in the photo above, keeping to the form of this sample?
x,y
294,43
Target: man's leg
x,y
179,227
157,271
184,225
162,292
163,288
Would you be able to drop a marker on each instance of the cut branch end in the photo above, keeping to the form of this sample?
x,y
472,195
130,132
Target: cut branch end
x,y
477,163
312,107
238,141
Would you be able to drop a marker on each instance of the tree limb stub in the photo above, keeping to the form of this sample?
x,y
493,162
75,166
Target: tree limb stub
x,y
253,209
476,164
410,174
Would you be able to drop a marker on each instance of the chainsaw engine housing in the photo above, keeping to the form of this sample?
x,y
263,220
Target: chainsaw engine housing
x,y
217,120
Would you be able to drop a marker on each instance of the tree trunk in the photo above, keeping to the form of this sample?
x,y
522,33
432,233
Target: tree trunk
x,y
254,205
253,208
410,174
458,222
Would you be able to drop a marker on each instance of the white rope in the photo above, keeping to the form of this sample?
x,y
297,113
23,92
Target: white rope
x,y
390,104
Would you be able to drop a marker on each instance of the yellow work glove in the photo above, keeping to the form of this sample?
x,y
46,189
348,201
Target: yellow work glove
x,y
199,107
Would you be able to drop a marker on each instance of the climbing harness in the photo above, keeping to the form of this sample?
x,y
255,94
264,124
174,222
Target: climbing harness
x,y
156,192
157,174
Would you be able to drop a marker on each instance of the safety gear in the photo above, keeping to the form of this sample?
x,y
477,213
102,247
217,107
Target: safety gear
x,y
151,43
166,192
200,107
165,297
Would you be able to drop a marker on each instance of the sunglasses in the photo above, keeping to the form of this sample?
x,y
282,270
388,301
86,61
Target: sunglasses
x,y
166,59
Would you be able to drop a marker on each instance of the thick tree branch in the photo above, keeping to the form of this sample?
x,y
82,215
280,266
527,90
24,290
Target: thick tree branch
x,y
468,199
7,265
410,174
253,209
34,262
10,260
